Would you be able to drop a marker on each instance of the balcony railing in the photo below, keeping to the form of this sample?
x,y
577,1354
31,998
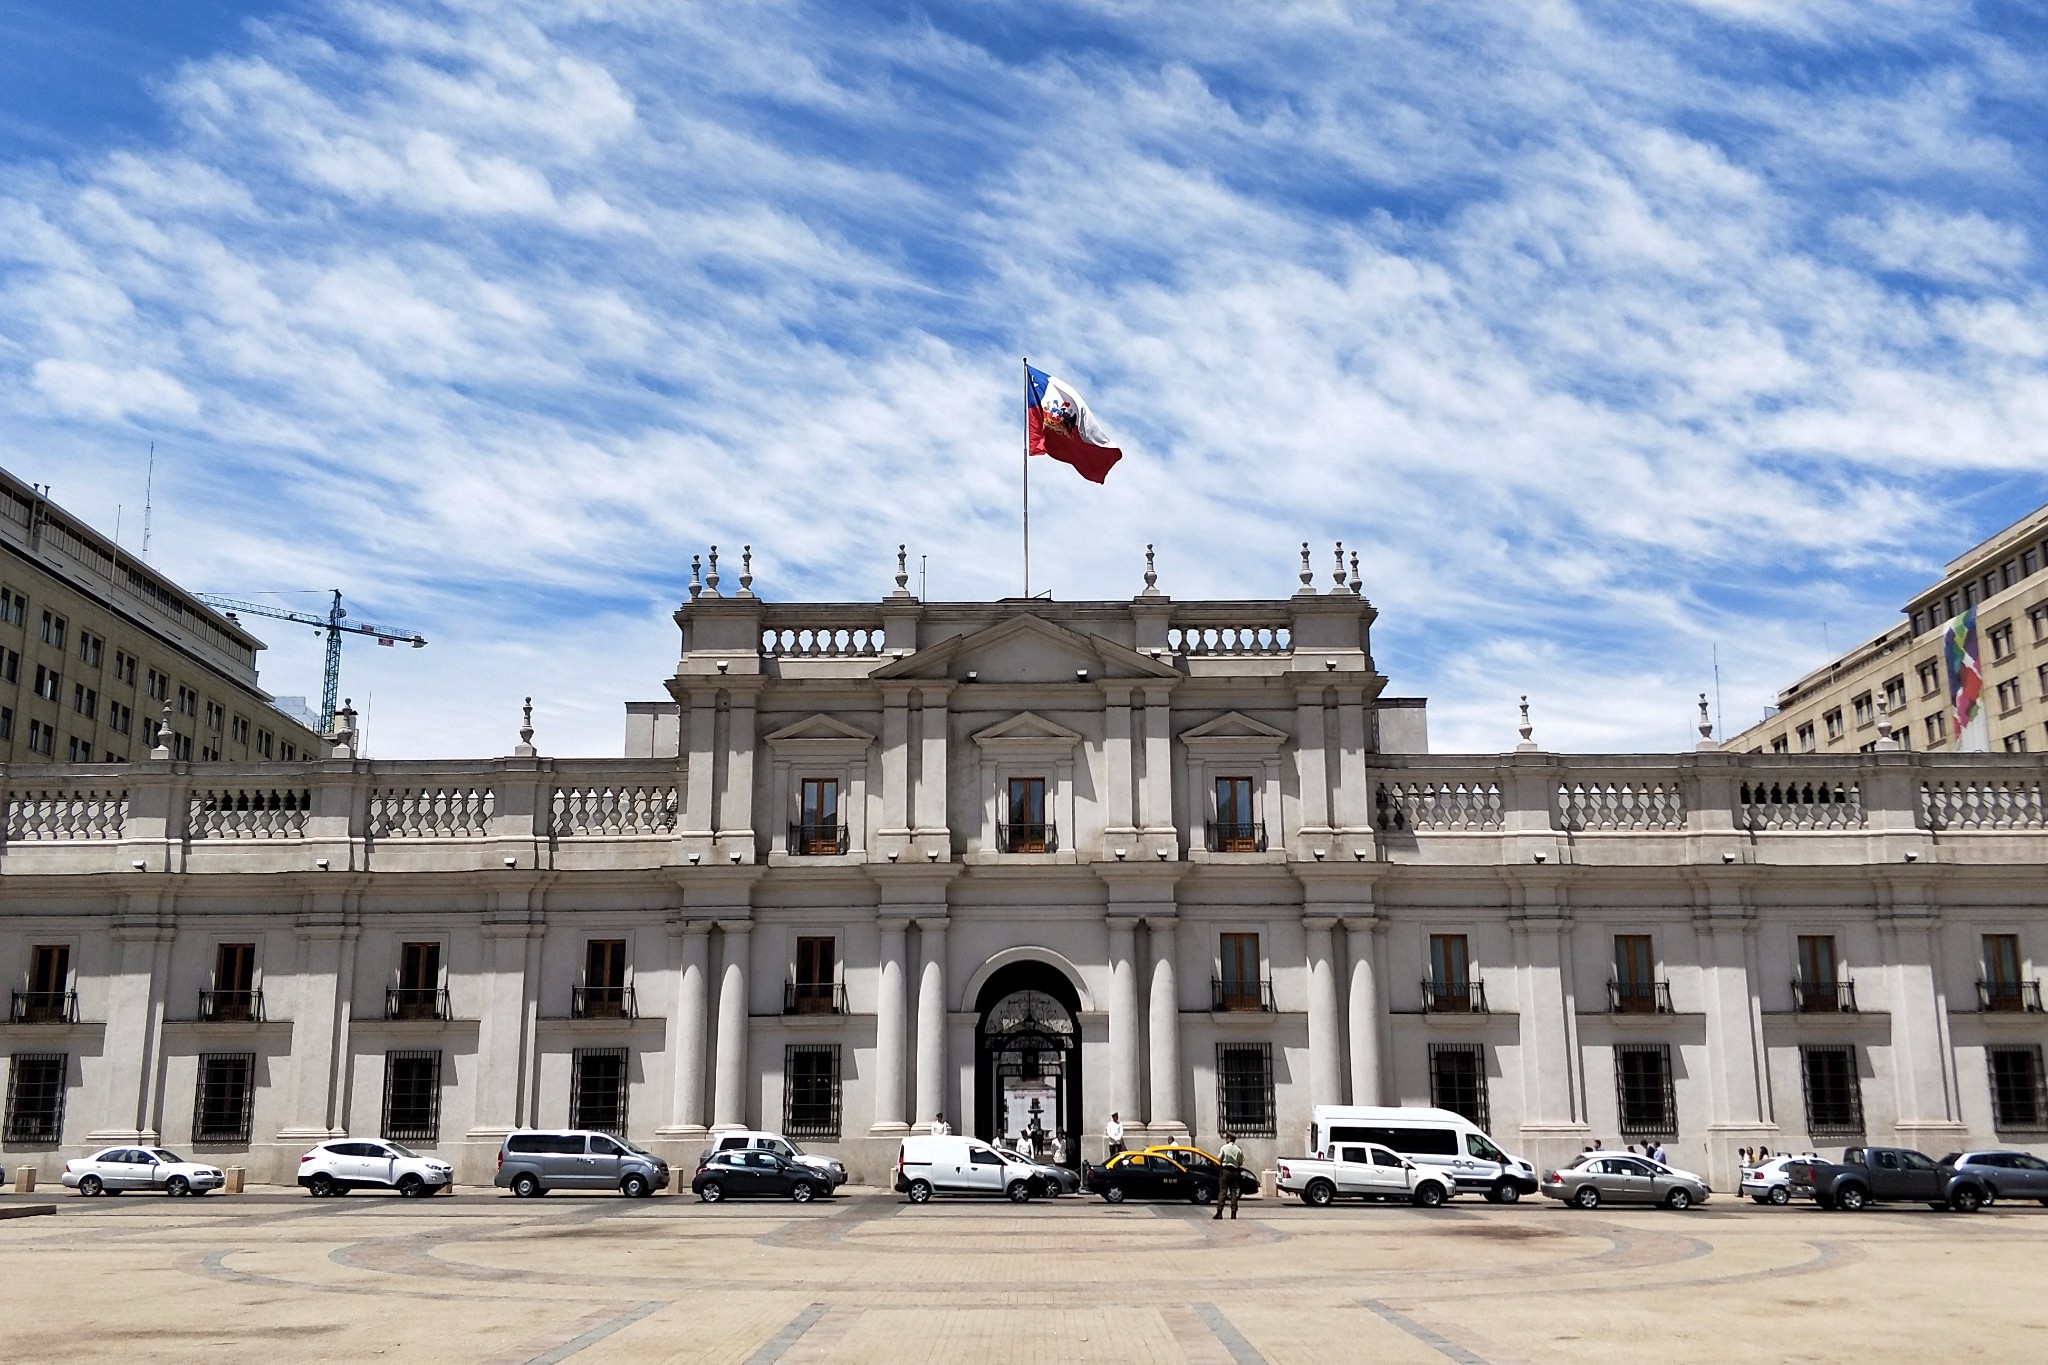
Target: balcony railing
x,y
813,997
817,841
1228,836
416,1002
1824,997
44,1007
1454,997
602,1002
1232,996
231,1007
1030,838
2009,997
1639,997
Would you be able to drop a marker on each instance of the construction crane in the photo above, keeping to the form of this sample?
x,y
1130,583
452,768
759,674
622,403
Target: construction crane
x,y
333,624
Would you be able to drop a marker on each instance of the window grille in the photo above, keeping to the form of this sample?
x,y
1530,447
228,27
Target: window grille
x,y
412,1096
35,1099
1244,1089
2018,1098
810,1077
1834,1096
1457,1080
597,1090
1643,1093
224,1098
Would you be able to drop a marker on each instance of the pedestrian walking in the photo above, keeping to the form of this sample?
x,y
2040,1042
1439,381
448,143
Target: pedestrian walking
x,y
1228,1187
1113,1135
1059,1149
1657,1154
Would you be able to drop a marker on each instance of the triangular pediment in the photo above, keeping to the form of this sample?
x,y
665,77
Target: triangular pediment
x,y
1234,725
1027,727
820,726
1026,649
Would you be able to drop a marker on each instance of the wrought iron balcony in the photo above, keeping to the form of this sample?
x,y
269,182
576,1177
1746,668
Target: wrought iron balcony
x,y
813,997
416,1002
1234,996
1043,837
817,841
602,1002
1824,997
2009,997
1639,997
1231,836
231,1007
1454,997
44,1007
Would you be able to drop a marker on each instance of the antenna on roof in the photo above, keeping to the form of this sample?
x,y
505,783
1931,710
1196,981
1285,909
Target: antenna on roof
x,y
148,498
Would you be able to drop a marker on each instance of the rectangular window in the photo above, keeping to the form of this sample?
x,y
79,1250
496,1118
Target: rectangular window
x,y
2003,988
1457,1080
412,1096
90,649
215,715
1833,720
120,719
53,630
597,1090
225,1099
1930,678
159,685
240,730
48,682
234,982
1834,1097
13,607
2018,1101
1635,974
2016,742
1643,1091
1244,1089
604,981
810,1077
1781,745
817,966
2009,695
1895,693
35,1099
264,740
1237,830
2000,637
1450,973
42,739
10,666
1239,982
1866,709
1937,729
188,701
1028,830
6,722
817,831
124,667
1818,988
86,701
418,992
1806,744
80,751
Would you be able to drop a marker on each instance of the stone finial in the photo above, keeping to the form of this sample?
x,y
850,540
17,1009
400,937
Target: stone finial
x,y
1151,574
1706,721
1357,583
711,579
1308,577
1340,568
746,571
345,734
696,577
162,750
903,570
1527,730
525,748
1885,738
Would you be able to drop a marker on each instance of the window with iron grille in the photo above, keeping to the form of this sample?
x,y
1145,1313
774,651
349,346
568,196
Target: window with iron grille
x,y
1834,1097
224,1097
597,1090
2019,1100
35,1099
1457,1080
810,1078
412,1096
1642,1089
1244,1089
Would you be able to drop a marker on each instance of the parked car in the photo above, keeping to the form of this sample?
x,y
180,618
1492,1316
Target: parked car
x,y
1598,1178
335,1168
1442,1138
532,1162
755,1173
1876,1175
1054,1180
117,1170
2006,1175
1769,1183
829,1168
1195,1159
955,1164
1150,1175
1363,1170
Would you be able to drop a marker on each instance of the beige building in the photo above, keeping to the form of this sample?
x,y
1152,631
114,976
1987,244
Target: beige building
x,y
95,644
1897,679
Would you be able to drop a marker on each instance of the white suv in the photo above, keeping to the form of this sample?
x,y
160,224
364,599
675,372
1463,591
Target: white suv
x,y
335,1168
831,1168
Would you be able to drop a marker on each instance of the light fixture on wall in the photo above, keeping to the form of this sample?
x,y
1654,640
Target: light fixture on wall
x,y
320,863
973,676
1359,854
139,865
511,861
1911,856
1321,854
694,857
1727,857
735,857
892,855
1162,854
931,855
724,664
1120,854
1330,664
1080,675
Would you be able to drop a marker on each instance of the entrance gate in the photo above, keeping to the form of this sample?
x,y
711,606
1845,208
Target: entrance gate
x,y
1027,1075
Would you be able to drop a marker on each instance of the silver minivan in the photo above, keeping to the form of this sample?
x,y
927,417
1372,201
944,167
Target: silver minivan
x,y
533,1161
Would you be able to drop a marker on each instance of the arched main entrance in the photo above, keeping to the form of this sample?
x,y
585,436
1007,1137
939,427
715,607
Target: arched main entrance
x,y
1027,1057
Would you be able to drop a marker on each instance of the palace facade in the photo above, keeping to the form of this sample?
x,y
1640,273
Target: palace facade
x,y
1024,864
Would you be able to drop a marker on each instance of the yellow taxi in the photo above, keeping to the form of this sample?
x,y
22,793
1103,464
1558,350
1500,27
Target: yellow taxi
x,y
1200,1162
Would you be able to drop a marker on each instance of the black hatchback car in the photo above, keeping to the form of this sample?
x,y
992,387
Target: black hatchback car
x,y
754,1173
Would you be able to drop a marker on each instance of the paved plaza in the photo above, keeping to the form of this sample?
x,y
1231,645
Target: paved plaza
x,y
480,1277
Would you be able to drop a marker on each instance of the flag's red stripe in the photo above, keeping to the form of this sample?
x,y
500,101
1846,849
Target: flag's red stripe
x,y
1094,462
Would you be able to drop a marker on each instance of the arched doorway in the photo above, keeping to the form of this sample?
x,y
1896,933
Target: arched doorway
x,y
1027,1057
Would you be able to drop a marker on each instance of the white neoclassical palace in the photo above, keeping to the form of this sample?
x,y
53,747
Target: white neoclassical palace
x,y
1024,864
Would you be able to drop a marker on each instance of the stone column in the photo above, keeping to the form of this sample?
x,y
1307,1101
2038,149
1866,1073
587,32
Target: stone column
x,y
1165,1028
1361,940
889,1010
1325,1039
501,1027
736,808
1159,765
894,827
1353,800
931,764
1923,1057
1310,755
686,1033
133,1035
1123,1019
729,1086
700,728
318,1037
1116,760
931,1027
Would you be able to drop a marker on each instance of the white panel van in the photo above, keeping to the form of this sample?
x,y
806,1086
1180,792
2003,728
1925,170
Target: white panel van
x,y
954,1164
1429,1137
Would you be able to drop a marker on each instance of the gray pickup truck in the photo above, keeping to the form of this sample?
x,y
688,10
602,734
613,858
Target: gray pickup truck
x,y
1882,1175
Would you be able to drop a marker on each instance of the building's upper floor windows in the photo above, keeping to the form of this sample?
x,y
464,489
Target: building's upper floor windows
x,y
124,667
54,627
6,722
48,682
2016,742
85,701
1895,693
265,741
2009,695
1833,720
13,607
1930,677
10,666
1025,828
91,649
287,751
1781,745
188,701
1806,744
2000,637
1937,729
159,685
42,739
239,730
1866,709
215,715
120,719
181,747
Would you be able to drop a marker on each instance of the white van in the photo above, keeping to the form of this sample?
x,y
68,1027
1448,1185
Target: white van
x,y
953,1164
1429,1137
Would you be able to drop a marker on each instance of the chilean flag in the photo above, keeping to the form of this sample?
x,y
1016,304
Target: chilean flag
x,y
1058,423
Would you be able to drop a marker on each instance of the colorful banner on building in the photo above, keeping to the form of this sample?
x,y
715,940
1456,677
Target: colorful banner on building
x,y
1966,715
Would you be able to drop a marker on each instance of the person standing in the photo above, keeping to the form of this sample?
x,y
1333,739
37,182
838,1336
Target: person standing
x,y
1657,1154
940,1127
1229,1185
1113,1136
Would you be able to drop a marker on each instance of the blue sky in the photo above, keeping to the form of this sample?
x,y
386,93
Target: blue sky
x,y
1610,334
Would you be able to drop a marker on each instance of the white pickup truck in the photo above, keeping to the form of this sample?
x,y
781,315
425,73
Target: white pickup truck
x,y
1362,1170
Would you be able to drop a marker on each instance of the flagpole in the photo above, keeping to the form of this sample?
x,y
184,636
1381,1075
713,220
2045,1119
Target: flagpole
x,y
1027,478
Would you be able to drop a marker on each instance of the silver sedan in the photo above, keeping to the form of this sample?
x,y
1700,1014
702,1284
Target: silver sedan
x,y
1598,1178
